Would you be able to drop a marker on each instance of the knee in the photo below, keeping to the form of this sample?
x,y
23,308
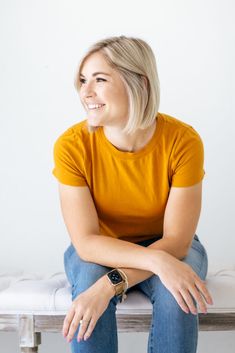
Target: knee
x,y
169,305
89,273
197,259
165,303
81,274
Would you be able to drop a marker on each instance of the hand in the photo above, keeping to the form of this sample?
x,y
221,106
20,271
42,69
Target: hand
x,y
179,278
88,306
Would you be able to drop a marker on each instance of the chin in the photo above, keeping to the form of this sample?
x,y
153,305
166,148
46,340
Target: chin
x,y
92,125
92,121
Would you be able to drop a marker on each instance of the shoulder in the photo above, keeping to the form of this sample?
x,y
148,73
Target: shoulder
x,y
74,136
186,152
177,129
74,131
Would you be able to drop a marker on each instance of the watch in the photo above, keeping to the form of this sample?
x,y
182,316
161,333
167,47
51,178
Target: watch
x,y
118,281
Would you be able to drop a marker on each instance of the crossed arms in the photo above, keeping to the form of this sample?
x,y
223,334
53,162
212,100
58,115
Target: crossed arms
x,y
180,221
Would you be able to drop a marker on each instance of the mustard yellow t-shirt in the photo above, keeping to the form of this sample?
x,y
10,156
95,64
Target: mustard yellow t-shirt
x,y
130,189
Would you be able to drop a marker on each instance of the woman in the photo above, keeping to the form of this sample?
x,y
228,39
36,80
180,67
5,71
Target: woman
x,y
130,184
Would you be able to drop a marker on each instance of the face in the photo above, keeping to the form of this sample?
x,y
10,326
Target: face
x,y
101,84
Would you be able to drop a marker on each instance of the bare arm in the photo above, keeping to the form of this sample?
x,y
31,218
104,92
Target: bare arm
x,y
81,220
180,223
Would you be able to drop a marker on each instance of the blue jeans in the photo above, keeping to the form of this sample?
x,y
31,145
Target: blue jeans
x,y
171,330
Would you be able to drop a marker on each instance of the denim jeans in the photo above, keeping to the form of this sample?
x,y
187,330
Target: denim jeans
x,y
171,330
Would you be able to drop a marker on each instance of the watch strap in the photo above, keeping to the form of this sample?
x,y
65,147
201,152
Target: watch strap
x,y
120,288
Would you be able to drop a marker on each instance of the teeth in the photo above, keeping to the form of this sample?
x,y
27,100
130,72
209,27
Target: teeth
x,y
94,106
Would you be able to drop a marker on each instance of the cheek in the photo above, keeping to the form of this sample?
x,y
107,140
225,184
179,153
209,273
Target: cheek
x,y
116,100
123,98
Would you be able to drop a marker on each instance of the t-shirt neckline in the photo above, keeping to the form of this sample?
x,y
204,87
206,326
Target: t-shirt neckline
x,y
132,155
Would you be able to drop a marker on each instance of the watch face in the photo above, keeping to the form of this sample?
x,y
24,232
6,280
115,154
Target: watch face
x,y
115,277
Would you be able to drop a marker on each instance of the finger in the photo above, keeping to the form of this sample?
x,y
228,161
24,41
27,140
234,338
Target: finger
x,y
90,328
180,301
73,326
189,300
199,299
67,321
203,289
83,327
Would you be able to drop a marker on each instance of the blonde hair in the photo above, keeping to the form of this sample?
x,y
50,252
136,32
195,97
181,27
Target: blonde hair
x,y
134,60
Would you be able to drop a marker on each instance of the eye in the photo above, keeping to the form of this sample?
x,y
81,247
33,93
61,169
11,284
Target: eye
x,y
99,78
82,80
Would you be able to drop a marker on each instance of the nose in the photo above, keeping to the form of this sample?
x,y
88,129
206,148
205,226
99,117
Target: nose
x,y
87,91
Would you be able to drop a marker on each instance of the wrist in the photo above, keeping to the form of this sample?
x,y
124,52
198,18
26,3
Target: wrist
x,y
157,261
107,286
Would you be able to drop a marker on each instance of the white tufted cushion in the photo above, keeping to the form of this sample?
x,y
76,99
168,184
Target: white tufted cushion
x,y
22,293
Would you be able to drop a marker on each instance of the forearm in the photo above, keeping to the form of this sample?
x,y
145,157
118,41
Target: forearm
x,y
135,260
115,253
136,276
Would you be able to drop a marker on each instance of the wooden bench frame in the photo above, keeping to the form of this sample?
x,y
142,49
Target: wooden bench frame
x,y
30,327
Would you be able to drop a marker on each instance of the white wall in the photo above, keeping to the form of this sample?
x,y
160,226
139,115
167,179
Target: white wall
x,y
41,44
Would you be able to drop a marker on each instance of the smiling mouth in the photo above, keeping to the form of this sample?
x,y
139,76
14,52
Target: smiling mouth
x,y
97,107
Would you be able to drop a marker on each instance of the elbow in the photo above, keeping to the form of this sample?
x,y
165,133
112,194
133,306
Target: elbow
x,y
178,249
183,249
80,248
180,254
184,252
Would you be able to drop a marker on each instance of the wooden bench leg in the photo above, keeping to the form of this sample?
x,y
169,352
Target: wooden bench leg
x,y
29,340
28,350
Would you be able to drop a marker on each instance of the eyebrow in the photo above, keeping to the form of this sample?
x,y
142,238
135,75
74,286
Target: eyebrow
x,y
97,73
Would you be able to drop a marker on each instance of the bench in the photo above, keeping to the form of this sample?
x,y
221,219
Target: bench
x,y
32,303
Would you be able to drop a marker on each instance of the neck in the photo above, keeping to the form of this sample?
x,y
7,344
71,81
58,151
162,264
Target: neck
x,y
129,143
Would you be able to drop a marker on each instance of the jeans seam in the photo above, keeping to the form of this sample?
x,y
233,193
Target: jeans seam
x,y
151,331
202,264
203,253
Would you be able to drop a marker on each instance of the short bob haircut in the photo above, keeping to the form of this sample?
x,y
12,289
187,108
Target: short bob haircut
x,y
134,60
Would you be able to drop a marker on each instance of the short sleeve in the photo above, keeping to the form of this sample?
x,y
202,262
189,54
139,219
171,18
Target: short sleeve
x,y
68,160
187,164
